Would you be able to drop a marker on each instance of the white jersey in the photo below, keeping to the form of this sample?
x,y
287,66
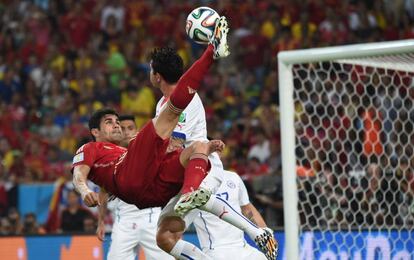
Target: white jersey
x,y
213,232
192,123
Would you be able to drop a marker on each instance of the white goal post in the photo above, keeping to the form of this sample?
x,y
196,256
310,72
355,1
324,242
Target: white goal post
x,y
346,123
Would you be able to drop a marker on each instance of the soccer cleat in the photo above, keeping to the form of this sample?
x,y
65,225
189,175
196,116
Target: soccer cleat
x,y
219,39
268,244
192,200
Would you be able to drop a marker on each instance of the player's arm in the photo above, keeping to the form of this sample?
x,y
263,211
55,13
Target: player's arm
x,y
80,177
102,209
250,212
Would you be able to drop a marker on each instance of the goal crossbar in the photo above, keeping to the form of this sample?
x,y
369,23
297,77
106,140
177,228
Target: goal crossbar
x,y
345,52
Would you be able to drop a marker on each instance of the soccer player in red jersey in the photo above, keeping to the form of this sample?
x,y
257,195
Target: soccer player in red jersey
x,y
144,174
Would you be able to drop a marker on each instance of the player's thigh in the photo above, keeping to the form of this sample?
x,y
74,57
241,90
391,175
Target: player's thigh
x,y
171,170
168,182
147,144
124,242
165,123
140,164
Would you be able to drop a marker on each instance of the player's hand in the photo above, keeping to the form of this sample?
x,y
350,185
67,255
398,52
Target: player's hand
x,y
100,231
216,146
175,144
91,199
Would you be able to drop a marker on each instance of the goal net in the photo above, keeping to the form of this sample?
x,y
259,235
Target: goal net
x,y
347,116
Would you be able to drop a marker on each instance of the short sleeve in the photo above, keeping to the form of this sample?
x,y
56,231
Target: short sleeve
x,y
85,155
159,106
243,195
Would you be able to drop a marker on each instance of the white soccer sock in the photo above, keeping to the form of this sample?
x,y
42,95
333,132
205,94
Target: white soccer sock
x,y
187,251
224,211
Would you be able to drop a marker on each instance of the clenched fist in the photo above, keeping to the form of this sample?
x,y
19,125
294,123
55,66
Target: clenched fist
x,y
91,199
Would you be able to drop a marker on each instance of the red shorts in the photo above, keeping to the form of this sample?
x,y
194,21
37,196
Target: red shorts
x,y
147,176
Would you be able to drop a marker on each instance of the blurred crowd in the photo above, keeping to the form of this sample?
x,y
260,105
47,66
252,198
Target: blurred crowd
x,y
72,218
354,144
61,60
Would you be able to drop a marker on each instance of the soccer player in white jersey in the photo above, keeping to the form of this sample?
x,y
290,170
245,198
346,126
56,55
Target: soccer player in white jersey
x,y
219,239
133,227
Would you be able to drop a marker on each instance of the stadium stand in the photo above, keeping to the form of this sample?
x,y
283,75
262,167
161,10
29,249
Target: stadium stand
x,y
60,60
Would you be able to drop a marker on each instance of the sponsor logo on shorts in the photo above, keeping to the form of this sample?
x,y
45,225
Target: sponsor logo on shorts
x,y
78,158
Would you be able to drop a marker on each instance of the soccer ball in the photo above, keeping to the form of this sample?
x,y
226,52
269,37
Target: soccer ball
x,y
200,24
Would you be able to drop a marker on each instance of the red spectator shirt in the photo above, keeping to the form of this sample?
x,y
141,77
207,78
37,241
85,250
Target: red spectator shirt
x,y
101,157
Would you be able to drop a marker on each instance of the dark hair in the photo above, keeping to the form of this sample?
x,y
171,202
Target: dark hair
x,y
126,117
167,63
97,116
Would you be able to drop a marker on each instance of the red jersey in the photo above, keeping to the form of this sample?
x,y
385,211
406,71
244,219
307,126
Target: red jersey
x,y
144,176
101,157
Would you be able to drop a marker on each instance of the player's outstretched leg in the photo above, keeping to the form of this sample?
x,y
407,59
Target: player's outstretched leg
x,y
189,83
262,236
191,80
198,196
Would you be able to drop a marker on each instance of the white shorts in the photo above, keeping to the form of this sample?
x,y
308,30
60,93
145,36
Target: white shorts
x,y
246,252
128,234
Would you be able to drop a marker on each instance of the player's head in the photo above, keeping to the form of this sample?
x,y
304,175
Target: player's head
x,y
166,65
104,126
129,128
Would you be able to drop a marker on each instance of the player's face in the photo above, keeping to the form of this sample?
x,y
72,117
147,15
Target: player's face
x,y
110,130
129,129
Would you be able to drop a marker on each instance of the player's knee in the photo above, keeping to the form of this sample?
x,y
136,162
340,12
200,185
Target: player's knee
x,y
169,232
165,240
199,147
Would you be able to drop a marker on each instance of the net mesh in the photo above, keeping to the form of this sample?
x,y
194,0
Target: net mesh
x,y
354,154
